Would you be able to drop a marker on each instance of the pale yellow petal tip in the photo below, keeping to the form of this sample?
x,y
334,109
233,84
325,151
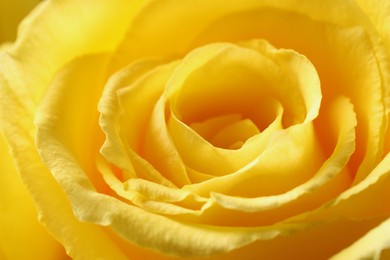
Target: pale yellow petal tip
x,y
372,245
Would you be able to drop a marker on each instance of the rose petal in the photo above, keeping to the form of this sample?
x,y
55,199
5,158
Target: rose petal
x,y
153,142
56,128
198,153
198,82
373,245
21,235
338,54
174,24
153,197
378,13
57,32
124,123
365,200
330,180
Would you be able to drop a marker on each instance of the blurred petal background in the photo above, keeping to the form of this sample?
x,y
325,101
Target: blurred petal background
x,y
11,13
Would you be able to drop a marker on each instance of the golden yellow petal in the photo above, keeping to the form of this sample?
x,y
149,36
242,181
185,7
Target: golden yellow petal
x,y
138,226
222,79
339,54
364,200
210,127
235,134
268,174
320,241
379,14
175,24
330,180
143,125
124,123
370,246
202,157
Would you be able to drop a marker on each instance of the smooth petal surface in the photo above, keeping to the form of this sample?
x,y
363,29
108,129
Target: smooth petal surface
x,y
21,235
373,245
180,22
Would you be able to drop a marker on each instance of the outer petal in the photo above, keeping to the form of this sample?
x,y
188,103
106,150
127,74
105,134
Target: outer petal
x,y
21,236
374,245
54,34
81,240
379,14
57,32
179,22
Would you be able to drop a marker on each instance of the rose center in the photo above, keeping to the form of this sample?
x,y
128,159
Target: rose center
x,y
226,103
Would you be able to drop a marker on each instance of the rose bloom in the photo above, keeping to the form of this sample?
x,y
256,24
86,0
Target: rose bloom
x,y
166,129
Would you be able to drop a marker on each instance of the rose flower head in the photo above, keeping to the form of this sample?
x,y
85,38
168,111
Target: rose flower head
x,y
168,129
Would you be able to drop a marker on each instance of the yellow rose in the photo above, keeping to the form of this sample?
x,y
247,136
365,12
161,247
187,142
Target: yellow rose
x,y
206,129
